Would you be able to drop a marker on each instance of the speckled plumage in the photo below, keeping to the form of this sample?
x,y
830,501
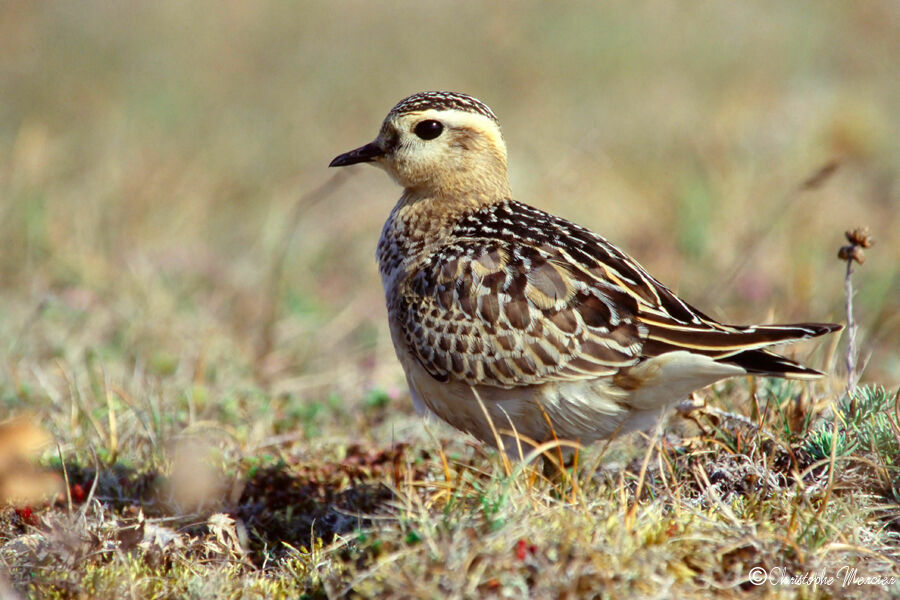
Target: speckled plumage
x,y
544,318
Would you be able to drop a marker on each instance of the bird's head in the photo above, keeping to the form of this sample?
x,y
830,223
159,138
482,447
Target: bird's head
x,y
439,144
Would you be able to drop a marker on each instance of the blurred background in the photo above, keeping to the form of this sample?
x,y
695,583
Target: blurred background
x,y
172,236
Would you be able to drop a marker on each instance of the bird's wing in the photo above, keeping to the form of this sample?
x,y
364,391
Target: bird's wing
x,y
519,297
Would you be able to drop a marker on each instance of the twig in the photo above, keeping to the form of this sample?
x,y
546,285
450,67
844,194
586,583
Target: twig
x,y
751,249
65,476
90,495
852,350
270,314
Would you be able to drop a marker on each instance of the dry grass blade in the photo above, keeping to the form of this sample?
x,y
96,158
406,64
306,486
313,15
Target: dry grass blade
x,y
506,465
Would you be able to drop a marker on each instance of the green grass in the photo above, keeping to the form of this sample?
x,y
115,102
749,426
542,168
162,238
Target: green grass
x,y
234,424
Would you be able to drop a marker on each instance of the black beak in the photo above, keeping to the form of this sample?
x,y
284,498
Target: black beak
x,y
366,153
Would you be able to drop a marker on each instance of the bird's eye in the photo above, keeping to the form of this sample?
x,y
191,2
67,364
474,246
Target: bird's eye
x,y
429,129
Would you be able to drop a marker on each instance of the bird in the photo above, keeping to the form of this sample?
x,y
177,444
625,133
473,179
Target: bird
x,y
513,324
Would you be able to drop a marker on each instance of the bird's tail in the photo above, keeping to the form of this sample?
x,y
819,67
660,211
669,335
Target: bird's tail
x,y
766,362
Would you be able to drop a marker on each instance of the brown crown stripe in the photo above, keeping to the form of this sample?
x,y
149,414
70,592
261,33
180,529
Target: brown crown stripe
x,y
443,101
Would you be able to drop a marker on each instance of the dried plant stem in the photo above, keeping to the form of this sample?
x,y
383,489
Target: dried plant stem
x,y
859,239
852,350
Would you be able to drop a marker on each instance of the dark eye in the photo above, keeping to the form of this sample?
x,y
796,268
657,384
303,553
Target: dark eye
x,y
428,130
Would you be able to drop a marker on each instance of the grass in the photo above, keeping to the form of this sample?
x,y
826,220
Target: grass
x,y
192,332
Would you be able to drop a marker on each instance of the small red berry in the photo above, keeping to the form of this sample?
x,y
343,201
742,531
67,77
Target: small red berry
x,y
27,515
521,549
77,493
